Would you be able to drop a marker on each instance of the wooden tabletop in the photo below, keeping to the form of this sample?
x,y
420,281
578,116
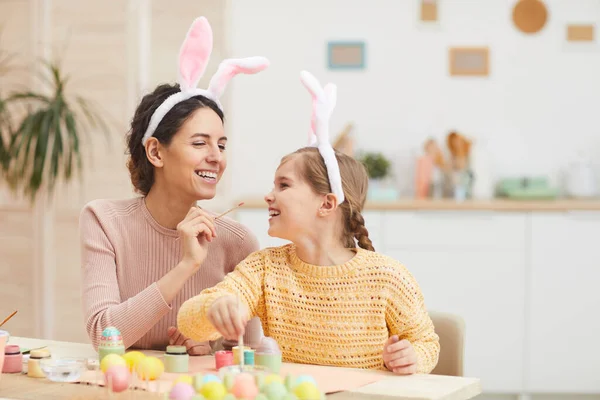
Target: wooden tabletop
x,y
415,387
558,205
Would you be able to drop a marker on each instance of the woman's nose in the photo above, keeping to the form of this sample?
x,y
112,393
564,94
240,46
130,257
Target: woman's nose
x,y
269,197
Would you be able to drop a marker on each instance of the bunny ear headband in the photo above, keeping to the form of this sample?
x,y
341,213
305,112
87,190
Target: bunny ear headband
x,y
193,58
323,102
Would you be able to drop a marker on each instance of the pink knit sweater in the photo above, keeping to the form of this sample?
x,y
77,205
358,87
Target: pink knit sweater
x,y
124,252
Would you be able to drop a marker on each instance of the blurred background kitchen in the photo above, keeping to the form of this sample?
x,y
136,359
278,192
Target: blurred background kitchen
x,y
477,119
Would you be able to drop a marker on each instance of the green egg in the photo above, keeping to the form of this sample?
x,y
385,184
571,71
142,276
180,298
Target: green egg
x,y
261,396
289,396
229,396
197,382
290,382
274,391
260,381
228,381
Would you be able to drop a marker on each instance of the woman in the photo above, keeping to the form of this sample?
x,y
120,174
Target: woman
x,y
143,257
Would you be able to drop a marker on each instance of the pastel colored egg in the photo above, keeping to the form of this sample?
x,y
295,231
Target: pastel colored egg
x,y
230,396
110,360
305,378
273,378
117,377
182,391
133,358
228,380
213,391
185,379
274,390
210,378
261,396
307,391
198,381
150,368
244,387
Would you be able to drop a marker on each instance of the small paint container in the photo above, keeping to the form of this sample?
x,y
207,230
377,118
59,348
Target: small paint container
x,y
248,357
271,361
223,358
34,369
176,359
13,360
236,353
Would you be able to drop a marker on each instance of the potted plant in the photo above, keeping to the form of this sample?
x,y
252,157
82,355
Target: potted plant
x,y
43,134
378,168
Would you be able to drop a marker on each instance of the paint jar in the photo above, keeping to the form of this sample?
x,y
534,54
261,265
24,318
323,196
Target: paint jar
x,y
268,354
34,369
176,359
248,357
223,358
236,353
13,359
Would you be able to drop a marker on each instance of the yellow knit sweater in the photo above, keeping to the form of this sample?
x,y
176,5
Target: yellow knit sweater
x,y
327,315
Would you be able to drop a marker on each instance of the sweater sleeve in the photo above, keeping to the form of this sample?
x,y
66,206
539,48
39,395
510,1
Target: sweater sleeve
x,y
407,317
101,299
245,281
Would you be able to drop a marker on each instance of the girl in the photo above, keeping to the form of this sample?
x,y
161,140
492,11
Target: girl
x,y
142,257
323,300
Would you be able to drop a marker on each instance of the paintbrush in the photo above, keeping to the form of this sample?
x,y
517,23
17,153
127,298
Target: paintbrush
x,y
230,210
7,318
241,337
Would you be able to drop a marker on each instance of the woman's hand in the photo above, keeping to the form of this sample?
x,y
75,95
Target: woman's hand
x,y
399,356
193,348
196,229
228,316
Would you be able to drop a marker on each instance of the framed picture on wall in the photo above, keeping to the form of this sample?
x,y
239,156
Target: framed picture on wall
x,y
346,55
580,33
469,61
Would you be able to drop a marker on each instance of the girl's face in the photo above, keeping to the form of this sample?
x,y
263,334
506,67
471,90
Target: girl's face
x,y
195,160
293,205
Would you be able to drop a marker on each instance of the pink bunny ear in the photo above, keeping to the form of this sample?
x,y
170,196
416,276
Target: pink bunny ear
x,y
230,68
195,53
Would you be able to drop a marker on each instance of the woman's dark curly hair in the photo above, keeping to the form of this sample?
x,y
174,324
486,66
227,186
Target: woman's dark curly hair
x,y
140,168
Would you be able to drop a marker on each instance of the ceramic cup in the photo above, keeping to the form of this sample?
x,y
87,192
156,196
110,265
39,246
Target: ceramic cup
x,y
3,339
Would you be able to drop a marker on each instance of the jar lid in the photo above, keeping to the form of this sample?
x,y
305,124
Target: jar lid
x,y
40,353
12,349
176,350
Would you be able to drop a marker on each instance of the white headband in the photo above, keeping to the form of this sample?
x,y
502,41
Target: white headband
x,y
193,58
323,100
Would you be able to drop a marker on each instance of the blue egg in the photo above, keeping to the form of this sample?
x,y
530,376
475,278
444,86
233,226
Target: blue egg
x,y
305,378
210,378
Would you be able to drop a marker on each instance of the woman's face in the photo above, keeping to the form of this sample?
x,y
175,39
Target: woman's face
x,y
194,161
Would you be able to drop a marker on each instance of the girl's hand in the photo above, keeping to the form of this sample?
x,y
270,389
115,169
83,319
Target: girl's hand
x,y
196,229
399,356
228,317
193,348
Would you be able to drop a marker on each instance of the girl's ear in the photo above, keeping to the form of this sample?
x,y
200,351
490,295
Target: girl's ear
x,y
329,204
153,152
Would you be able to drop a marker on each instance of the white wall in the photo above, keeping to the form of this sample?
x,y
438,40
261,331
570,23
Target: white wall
x,y
536,109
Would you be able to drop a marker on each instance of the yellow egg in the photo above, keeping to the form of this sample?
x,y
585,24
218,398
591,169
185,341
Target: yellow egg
x,y
185,379
133,358
111,359
273,378
306,391
213,391
150,368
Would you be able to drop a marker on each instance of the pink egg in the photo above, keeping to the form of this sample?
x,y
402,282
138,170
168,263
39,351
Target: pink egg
x,y
119,377
244,387
182,391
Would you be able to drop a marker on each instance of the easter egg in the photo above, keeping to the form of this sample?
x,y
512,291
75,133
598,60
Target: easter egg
x,y
182,391
133,358
261,396
210,378
305,378
292,396
110,360
307,390
117,377
150,368
244,386
274,390
185,379
273,378
228,381
230,396
213,391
